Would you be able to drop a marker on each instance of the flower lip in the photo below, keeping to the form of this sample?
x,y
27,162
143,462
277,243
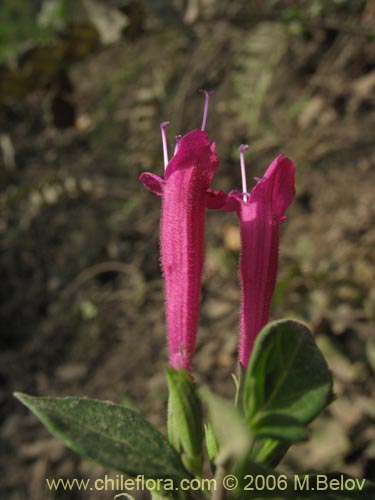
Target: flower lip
x,y
193,151
280,178
197,153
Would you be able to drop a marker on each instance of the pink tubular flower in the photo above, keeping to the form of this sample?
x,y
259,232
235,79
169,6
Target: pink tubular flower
x,y
185,194
260,214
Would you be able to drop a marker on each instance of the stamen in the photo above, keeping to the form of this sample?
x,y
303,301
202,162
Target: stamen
x,y
207,94
242,149
163,126
177,145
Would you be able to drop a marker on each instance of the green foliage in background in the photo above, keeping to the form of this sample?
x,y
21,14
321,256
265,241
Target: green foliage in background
x,y
24,22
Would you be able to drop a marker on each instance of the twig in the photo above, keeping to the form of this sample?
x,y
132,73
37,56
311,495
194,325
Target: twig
x,y
219,492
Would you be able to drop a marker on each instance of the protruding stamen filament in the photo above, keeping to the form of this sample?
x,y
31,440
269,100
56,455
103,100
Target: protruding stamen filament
x,y
207,94
243,148
163,127
177,145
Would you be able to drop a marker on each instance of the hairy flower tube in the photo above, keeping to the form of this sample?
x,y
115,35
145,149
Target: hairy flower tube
x,y
260,214
185,195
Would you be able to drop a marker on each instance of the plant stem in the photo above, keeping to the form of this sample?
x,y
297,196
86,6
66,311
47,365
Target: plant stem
x,y
240,382
219,492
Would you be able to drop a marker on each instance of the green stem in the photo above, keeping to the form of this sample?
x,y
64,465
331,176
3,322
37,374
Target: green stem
x,y
219,492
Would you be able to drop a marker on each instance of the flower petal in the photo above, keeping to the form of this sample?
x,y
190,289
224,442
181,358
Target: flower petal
x,y
152,182
194,150
215,199
280,180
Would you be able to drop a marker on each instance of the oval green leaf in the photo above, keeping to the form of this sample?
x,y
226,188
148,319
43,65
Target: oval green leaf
x,y
287,374
110,434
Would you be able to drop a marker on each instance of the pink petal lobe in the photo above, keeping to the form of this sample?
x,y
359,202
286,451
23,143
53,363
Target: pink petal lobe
x,y
194,147
280,178
215,199
152,182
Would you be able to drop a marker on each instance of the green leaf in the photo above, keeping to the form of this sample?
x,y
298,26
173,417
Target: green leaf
x,y
185,421
110,434
287,374
271,451
211,443
280,427
228,426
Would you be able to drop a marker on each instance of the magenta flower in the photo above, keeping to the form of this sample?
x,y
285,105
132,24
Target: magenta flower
x,y
185,194
260,214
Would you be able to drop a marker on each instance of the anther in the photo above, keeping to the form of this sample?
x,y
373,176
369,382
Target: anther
x,y
207,94
177,145
242,149
163,127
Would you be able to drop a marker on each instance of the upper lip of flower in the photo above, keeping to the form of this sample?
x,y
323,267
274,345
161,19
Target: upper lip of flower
x,y
194,151
278,181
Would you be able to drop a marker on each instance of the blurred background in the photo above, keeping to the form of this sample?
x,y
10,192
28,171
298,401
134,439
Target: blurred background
x,y
84,85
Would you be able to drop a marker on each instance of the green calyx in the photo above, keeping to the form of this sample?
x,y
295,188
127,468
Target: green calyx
x,y
185,426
